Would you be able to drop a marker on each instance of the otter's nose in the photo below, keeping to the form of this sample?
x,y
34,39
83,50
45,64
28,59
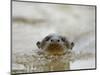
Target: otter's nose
x,y
55,40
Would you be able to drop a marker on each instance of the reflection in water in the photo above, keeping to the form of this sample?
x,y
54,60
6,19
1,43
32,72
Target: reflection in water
x,y
33,21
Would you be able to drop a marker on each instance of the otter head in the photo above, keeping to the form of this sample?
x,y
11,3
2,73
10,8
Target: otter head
x,y
55,43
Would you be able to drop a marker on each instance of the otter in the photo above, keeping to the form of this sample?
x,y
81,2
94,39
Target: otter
x,y
56,46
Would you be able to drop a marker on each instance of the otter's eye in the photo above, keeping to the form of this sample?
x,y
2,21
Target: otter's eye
x,y
63,39
47,38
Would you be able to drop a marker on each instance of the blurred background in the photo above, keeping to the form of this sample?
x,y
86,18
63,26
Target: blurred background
x,y
31,22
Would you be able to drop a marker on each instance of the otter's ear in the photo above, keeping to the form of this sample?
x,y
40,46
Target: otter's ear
x,y
38,44
72,45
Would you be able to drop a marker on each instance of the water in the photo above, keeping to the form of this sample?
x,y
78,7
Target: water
x,y
32,22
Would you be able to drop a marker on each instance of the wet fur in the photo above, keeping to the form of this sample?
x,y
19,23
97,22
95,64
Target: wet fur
x,y
57,50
